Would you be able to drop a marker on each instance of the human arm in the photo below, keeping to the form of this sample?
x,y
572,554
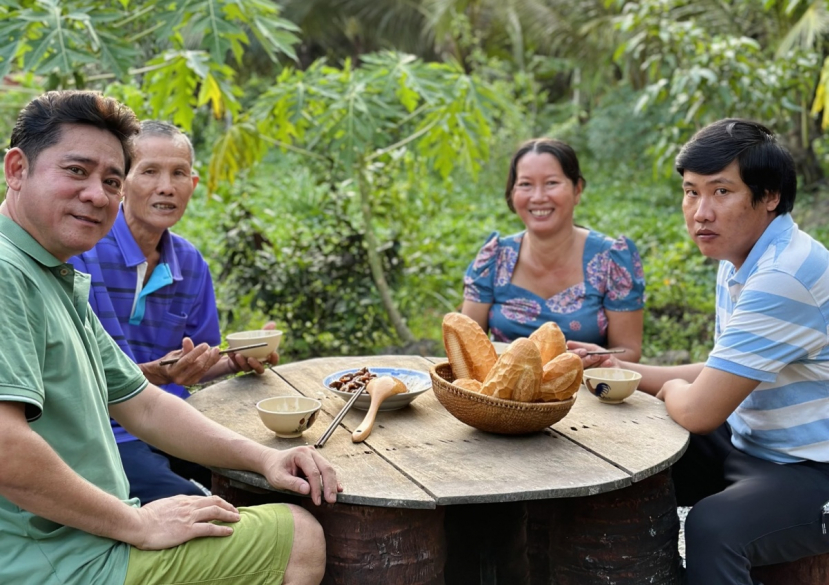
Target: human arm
x,y
35,478
624,331
175,427
705,403
479,283
653,377
624,298
478,312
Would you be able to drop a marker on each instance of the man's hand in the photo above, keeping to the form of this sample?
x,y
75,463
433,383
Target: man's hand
x,y
193,363
592,361
173,521
302,470
239,363
672,386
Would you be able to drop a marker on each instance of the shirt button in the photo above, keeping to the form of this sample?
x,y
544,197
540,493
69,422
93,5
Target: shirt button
x,y
64,271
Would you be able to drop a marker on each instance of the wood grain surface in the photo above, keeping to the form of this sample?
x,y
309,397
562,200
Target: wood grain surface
x,y
421,456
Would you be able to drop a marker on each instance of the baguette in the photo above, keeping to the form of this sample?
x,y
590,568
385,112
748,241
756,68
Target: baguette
x,y
550,341
516,375
561,378
470,352
468,384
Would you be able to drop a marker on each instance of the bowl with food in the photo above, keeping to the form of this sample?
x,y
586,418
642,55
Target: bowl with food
x,y
288,416
270,337
611,385
345,382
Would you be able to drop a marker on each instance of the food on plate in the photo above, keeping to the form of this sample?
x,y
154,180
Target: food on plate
x,y
537,368
352,382
469,350
550,341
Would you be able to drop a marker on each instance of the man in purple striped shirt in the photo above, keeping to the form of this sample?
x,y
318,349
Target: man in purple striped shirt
x,y
153,293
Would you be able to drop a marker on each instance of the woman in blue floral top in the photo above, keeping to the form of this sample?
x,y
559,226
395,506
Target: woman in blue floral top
x,y
591,285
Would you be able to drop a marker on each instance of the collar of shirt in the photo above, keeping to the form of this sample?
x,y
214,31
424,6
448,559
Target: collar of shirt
x,y
780,224
22,240
132,254
76,284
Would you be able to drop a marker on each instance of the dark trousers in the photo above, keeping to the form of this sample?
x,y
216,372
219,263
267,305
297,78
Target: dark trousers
x,y
746,511
154,475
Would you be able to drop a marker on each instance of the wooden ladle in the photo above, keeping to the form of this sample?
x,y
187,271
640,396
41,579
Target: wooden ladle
x,y
379,389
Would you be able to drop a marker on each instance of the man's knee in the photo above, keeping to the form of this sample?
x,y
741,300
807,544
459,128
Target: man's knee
x,y
713,525
307,561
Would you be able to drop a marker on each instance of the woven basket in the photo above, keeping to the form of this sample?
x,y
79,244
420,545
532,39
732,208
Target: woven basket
x,y
494,415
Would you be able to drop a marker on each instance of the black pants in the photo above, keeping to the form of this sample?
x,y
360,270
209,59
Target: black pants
x,y
151,476
746,511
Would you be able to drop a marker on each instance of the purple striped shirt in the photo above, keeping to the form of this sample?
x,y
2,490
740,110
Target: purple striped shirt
x,y
184,308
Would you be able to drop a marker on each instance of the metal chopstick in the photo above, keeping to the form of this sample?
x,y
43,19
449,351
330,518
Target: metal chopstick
x,y
334,423
605,351
171,361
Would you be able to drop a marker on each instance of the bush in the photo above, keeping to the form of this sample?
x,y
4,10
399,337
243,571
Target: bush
x,y
315,283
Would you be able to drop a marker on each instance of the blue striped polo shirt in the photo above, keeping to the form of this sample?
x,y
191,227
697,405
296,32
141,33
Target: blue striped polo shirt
x,y
149,321
771,327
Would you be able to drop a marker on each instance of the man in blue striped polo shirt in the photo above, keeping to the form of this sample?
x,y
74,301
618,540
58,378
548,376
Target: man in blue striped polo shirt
x,y
152,291
757,468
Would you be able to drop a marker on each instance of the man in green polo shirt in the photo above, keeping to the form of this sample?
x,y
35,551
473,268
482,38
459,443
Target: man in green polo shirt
x,y
65,512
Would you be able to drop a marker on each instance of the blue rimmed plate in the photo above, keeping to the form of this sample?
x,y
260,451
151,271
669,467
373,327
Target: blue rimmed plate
x,y
416,383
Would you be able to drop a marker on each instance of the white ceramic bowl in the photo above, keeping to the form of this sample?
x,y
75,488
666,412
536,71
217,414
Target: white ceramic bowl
x,y
611,385
288,416
270,336
416,384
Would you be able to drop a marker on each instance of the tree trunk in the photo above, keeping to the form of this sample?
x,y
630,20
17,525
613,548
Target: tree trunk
x,y
376,265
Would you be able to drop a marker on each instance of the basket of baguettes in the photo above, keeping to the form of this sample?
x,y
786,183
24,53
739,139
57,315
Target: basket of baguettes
x,y
529,387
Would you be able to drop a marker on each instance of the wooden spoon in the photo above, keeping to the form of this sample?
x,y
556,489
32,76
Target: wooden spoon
x,y
379,389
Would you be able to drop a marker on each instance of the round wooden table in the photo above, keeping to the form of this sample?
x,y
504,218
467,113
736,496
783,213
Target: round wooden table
x,y
430,500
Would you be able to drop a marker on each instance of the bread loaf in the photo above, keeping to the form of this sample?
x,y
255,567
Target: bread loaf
x,y
468,384
516,375
470,352
550,341
561,378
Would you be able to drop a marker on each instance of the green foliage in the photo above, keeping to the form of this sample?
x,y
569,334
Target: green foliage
x,y
704,70
353,115
315,284
176,53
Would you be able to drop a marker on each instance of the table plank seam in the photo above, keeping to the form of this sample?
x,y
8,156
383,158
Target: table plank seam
x,y
596,453
402,472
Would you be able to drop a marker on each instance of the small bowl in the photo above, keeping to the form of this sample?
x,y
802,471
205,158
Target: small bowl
x,y
288,416
271,336
416,384
611,385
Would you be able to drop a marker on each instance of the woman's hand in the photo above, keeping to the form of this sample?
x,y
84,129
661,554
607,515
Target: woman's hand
x,y
592,361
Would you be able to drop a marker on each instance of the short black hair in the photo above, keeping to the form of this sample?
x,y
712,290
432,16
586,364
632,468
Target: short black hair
x,y
765,165
559,150
40,123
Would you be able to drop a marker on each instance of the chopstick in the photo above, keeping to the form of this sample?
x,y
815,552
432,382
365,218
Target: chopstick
x,y
224,351
605,351
334,423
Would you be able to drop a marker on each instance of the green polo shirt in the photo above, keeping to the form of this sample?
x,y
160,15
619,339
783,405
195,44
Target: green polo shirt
x,y
57,359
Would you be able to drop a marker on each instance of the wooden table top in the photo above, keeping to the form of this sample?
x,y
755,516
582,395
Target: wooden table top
x,y
422,457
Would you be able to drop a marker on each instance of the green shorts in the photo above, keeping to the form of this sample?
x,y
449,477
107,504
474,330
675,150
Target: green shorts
x,y
256,553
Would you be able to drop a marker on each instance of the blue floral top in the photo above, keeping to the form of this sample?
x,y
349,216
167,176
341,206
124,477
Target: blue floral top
x,y
614,281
